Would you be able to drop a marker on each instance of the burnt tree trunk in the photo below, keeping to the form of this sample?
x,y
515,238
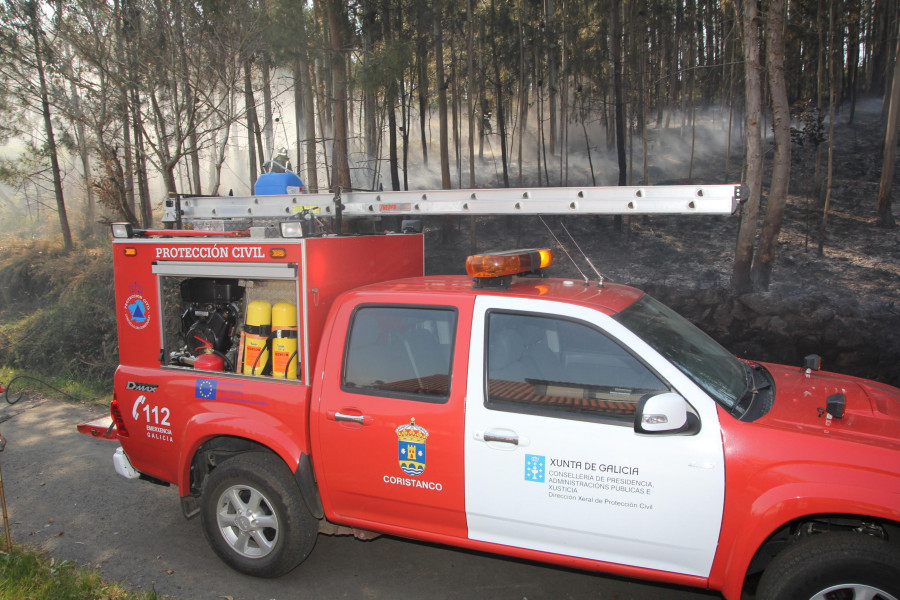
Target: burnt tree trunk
x,y
337,26
619,92
781,166
743,254
35,30
885,215
250,108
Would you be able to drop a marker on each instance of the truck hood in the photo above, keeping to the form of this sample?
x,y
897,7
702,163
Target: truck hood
x,y
871,411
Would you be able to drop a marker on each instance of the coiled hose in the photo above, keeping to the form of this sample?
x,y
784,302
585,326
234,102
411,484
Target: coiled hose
x,y
10,399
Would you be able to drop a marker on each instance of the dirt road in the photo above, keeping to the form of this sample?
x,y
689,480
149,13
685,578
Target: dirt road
x,y
64,498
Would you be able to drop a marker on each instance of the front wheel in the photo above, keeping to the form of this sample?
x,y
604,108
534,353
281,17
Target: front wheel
x,y
834,566
254,517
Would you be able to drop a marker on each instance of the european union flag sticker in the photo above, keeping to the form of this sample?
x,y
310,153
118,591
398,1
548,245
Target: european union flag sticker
x,y
534,468
205,389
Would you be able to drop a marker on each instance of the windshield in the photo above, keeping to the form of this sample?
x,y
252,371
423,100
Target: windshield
x,y
696,354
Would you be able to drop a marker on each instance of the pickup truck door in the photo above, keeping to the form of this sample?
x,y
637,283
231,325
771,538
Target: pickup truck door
x,y
389,422
551,456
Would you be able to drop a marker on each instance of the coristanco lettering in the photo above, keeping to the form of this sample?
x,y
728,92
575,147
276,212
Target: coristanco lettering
x,y
408,482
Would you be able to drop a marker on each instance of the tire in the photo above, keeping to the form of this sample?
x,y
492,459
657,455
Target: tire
x,y
834,566
254,517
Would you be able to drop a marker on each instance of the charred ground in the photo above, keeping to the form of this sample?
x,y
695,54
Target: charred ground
x,y
843,304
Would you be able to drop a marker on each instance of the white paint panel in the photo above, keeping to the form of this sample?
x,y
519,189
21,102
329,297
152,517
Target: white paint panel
x,y
604,492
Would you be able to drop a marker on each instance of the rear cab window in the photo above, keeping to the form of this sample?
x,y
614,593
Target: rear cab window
x,y
400,351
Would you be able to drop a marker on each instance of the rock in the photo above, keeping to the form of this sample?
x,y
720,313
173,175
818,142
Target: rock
x,y
823,314
763,303
779,326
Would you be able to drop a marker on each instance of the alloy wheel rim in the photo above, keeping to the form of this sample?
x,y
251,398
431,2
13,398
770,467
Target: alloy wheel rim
x,y
247,521
853,591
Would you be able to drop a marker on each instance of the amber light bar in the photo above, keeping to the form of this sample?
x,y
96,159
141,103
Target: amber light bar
x,y
514,262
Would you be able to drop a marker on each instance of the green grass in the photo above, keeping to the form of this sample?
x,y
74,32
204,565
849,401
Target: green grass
x,y
57,313
62,387
31,576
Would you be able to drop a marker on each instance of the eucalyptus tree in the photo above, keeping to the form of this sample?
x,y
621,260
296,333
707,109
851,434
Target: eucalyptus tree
x,y
883,30
28,64
228,31
590,69
421,10
442,85
289,34
398,56
885,186
73,107
369,33
503,50
854,24
749,272
618,85
552,61
229,54
170,121
103,84
750,35
781,160
340,35
389,59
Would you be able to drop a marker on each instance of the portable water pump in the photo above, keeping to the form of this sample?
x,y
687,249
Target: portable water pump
x,y
207,324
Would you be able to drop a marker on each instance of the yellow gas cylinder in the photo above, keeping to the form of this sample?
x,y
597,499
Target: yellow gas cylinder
x,y
257,327
284,340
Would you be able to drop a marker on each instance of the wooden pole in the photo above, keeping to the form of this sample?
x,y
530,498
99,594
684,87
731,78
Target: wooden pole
x,y
3,502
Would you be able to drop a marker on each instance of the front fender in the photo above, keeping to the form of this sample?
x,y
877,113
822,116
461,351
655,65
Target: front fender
x,y
747,527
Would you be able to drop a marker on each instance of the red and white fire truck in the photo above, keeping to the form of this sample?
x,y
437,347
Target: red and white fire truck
x,y
291,382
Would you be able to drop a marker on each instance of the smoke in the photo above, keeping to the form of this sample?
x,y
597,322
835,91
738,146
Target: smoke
x,y
589,157
585,153
675,148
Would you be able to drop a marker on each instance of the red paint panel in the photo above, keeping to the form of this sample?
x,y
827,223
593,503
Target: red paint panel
x,y
138,310
171,412
336,265
360,473
775,476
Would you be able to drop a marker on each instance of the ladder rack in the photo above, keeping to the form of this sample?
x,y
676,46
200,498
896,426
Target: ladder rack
x,y
613,200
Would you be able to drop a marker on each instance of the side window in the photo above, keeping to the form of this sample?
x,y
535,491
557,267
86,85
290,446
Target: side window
x,y
562,367
400,351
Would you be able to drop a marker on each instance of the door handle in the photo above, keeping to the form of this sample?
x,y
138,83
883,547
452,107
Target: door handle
x,y
358,419
502,436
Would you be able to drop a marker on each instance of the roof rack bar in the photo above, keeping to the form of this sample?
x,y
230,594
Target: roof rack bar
x,y
613,200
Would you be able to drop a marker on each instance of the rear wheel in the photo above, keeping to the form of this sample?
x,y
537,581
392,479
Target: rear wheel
x,y
254,517
834,566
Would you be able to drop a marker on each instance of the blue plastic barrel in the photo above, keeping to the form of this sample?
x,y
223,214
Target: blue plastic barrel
x,y
269,184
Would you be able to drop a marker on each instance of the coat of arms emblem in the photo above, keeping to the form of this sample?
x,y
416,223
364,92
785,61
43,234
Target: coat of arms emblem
x,y
411,448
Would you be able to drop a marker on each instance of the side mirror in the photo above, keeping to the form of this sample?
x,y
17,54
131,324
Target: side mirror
x,y
665,412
